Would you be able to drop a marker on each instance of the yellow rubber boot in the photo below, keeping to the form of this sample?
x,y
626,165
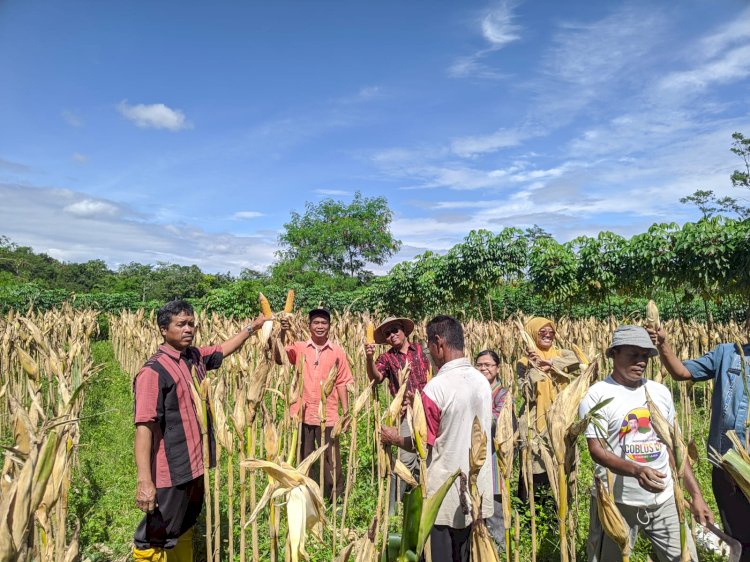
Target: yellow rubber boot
x,y
149,555
183,550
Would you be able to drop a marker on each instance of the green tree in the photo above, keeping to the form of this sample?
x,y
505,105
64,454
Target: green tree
x,y
340,239
600,265
741,147
553,270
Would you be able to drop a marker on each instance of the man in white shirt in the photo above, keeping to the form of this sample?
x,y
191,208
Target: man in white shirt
x,y
631,450
452,399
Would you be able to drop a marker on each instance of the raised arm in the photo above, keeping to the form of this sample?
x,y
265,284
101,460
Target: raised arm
x,y
373,373
237,341
671,362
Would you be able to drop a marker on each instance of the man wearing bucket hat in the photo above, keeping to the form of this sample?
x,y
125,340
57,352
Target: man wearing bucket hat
x,y
729,407
395,332
634,454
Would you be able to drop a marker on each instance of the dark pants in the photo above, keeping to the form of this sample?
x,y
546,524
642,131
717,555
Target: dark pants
x,y
450,545
734,510
177,511
311,442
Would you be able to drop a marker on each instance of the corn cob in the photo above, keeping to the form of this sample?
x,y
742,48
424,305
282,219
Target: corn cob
x,y
612,520
370,334
289,304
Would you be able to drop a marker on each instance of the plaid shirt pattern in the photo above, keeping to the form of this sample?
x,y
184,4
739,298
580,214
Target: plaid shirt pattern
x,y
392,361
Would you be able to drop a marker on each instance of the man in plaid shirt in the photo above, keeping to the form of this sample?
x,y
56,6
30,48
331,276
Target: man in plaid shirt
x,y
395,332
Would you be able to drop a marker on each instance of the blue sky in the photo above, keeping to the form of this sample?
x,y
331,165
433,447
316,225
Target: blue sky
x,y
187,132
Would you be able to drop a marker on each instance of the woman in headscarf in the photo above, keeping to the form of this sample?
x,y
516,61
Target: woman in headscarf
x,y
542,373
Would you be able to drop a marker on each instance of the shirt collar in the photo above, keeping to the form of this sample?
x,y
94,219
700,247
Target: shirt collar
x,y
455,364
327,344
172,352
412,347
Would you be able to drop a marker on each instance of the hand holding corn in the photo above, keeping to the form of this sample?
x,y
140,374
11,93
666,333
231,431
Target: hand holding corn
x,y
369,349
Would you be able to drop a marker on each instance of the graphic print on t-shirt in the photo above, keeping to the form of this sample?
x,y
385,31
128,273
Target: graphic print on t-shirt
x,y
638,439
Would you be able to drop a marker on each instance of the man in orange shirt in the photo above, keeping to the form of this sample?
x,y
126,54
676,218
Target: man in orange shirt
x,y
321,355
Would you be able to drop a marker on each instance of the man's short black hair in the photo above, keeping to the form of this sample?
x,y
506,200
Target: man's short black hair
x,y
172,308
447,328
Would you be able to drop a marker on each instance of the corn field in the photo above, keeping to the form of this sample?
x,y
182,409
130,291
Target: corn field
x,y
261,503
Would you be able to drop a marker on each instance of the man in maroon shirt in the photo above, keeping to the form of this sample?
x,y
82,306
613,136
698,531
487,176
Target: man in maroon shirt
x,y
168,443
395,332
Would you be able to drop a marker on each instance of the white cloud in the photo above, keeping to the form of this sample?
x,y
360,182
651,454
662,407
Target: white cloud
x,y
49,220
731,66
498,27
71,118
736,31
80,158
89,208
154,116
471,146
332,192
247,215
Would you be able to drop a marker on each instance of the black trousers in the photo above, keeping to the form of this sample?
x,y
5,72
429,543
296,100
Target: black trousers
x,y
310,441
177,511
734,509
450,545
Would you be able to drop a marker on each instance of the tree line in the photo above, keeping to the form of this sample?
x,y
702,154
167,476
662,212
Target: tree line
x,y
699,269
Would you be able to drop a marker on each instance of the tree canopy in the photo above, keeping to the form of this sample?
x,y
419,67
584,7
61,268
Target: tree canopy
x,y
339,239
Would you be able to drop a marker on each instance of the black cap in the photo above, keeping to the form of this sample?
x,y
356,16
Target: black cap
x,y
319,312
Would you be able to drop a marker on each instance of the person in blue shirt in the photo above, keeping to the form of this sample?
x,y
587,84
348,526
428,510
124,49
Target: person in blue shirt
x,y
729,411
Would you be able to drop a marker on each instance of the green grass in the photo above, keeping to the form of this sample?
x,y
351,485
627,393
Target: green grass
x,y
102,495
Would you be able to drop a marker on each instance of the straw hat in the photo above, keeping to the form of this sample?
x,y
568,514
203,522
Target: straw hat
x,y
406,324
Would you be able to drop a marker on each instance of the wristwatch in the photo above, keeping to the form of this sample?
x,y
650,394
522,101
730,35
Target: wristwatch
x,y
249,329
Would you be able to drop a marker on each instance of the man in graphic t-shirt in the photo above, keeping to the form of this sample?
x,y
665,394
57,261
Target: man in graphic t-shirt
x,y
633,453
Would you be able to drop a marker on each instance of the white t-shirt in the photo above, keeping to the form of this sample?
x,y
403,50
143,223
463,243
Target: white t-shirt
x,y
452,399
630,435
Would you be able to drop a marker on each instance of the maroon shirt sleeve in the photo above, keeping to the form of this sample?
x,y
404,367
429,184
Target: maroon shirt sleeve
x,y
212,356
432,413
146,388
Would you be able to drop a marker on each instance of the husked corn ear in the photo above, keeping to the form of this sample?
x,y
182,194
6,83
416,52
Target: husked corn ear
x,y
482,546
265,306
370,333
28,364
652,316
330,381
659,423
394,409
289,304
399,468
419,426
478,450
612,520
582,357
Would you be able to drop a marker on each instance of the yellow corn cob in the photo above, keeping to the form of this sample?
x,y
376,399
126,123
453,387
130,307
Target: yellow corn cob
x,y
265,307
289,305
370,334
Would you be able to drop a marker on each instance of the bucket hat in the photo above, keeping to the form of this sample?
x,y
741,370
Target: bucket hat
x,y
632,335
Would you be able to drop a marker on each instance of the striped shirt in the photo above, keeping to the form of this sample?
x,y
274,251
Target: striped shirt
x,y
393,360
163,397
